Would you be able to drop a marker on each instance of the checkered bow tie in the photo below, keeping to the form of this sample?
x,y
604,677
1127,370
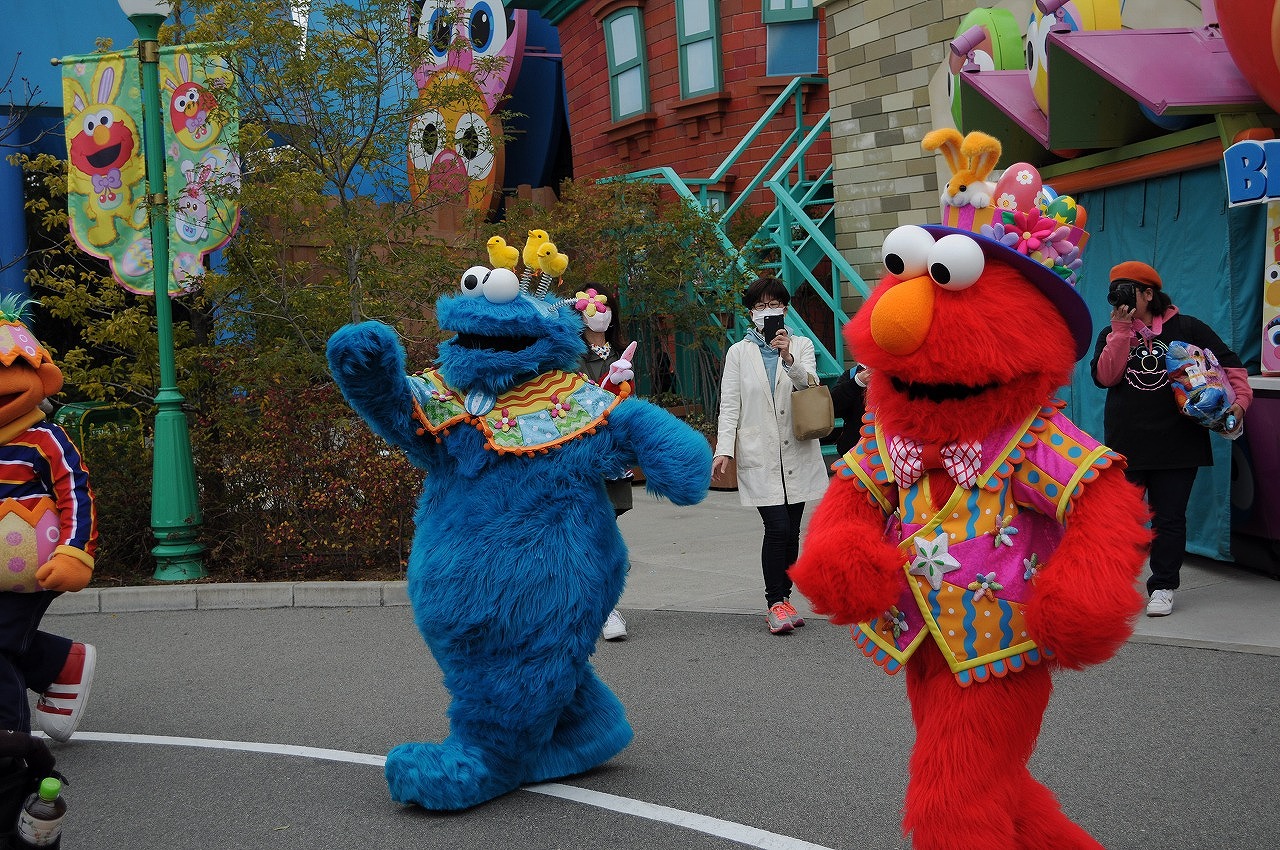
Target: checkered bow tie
x,y
961,460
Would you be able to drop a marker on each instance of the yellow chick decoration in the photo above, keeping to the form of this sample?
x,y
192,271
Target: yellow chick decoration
x,y
551,261
502,255
536,238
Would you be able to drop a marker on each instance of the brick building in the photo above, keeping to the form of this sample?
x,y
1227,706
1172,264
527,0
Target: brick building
x,y
679,83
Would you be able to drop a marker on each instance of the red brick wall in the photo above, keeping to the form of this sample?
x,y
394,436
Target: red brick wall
x,y
692,146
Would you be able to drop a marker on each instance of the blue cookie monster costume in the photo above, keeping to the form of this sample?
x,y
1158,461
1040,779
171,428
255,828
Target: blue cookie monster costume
x,y
517,559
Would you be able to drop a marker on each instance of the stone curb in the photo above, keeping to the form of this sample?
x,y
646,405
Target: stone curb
x,y
214,597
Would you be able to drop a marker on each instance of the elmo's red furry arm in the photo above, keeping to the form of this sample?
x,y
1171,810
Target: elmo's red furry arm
x,y
847,570
1086,594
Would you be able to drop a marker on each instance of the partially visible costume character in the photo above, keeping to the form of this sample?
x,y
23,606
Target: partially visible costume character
x,y
517,559
48,535
974,534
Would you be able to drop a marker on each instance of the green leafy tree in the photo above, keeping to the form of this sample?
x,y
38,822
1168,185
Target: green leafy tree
x,y
676,280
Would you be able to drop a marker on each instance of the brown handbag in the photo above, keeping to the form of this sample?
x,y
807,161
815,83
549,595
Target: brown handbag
x,y
812,414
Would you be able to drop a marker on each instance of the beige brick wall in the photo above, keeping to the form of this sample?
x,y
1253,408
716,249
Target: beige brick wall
x,y
882,55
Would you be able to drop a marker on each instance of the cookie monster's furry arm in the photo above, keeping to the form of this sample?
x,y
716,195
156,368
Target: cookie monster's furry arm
x,y
368,363
675,458
846,568
1086,593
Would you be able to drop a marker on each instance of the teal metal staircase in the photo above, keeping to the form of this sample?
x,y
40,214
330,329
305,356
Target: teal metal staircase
x,y
796,241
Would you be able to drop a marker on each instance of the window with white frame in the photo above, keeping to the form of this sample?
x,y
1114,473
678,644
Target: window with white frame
x,y
698,34
628,73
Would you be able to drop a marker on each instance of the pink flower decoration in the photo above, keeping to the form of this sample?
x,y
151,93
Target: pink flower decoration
x,y
505,422
1032,230
558,407
590,302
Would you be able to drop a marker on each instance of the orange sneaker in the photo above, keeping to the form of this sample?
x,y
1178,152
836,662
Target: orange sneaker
x,y
779,622
792,614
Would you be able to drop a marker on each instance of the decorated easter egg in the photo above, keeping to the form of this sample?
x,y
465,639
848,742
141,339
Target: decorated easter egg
x,y
1018,187
1063,209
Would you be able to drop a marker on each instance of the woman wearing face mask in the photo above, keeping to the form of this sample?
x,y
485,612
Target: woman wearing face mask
x,y
604,363
777,473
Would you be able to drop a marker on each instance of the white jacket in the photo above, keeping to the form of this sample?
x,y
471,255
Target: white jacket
x,y
774,468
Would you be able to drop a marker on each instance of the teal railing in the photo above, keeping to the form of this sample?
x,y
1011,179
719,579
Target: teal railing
x,y
800,229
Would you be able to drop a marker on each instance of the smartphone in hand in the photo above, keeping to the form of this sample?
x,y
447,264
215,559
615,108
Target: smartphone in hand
x,y
772,324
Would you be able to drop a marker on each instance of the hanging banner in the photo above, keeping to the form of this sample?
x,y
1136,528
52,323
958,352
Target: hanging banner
x,y
1271,294
106,171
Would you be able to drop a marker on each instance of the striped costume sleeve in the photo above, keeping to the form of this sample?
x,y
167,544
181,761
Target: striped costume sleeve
x,y
63,472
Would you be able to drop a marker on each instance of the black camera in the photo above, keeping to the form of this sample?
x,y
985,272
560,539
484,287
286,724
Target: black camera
x,y
1123,295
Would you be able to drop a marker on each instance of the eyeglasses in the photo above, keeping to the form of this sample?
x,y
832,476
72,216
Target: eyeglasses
x,y
768,305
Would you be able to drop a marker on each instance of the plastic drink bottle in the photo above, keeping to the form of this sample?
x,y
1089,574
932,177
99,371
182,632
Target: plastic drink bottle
x,y
40,821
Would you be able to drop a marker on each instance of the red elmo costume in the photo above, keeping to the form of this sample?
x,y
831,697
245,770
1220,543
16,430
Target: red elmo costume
x,y
979,588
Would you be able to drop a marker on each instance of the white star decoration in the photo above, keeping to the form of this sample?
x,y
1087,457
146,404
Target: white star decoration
x,y
932,560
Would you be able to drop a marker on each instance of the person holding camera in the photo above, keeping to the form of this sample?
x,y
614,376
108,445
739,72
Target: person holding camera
x,y
1163,448
777,473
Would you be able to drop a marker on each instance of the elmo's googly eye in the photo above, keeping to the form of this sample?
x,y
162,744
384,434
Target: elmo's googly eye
x,y
501,286
906,252
473,281
1272,273
955,262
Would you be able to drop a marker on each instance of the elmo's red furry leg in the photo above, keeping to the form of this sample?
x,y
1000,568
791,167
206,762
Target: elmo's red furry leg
x,y
969,780
1041,825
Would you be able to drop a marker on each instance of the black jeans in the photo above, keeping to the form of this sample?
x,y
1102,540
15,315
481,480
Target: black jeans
x,y
1168,492
29,658
780,549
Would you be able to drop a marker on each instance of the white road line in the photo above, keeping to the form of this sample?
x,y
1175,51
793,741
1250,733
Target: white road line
x,y
740,833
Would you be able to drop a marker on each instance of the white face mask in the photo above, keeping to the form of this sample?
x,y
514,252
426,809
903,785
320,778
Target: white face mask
x,y
758,316
600,321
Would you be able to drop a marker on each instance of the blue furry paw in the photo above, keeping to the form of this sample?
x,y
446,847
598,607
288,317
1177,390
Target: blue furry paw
x,y
444,777
369,347
570,754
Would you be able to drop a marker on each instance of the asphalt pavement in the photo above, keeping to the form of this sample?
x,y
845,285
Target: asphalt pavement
x,y
257,716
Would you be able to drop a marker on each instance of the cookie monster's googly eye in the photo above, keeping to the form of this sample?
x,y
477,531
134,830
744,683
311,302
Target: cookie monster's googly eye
x,y
473,281
501,286
956,262
906,252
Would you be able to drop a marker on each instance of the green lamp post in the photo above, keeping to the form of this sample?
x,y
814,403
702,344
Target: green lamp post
x,y
175,511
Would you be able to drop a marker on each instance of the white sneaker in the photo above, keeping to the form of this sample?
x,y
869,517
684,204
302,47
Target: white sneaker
x,y
615,628
1161,603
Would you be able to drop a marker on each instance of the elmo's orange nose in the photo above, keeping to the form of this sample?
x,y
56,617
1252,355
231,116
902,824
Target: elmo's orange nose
x,y
901,318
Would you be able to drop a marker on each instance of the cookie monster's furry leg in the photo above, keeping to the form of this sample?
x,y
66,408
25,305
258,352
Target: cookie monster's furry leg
x,y
969,787
676,459
368,364
592,730
504,711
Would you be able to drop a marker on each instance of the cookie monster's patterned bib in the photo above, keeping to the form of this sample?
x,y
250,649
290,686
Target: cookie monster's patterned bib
x,y
532,417
971,565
